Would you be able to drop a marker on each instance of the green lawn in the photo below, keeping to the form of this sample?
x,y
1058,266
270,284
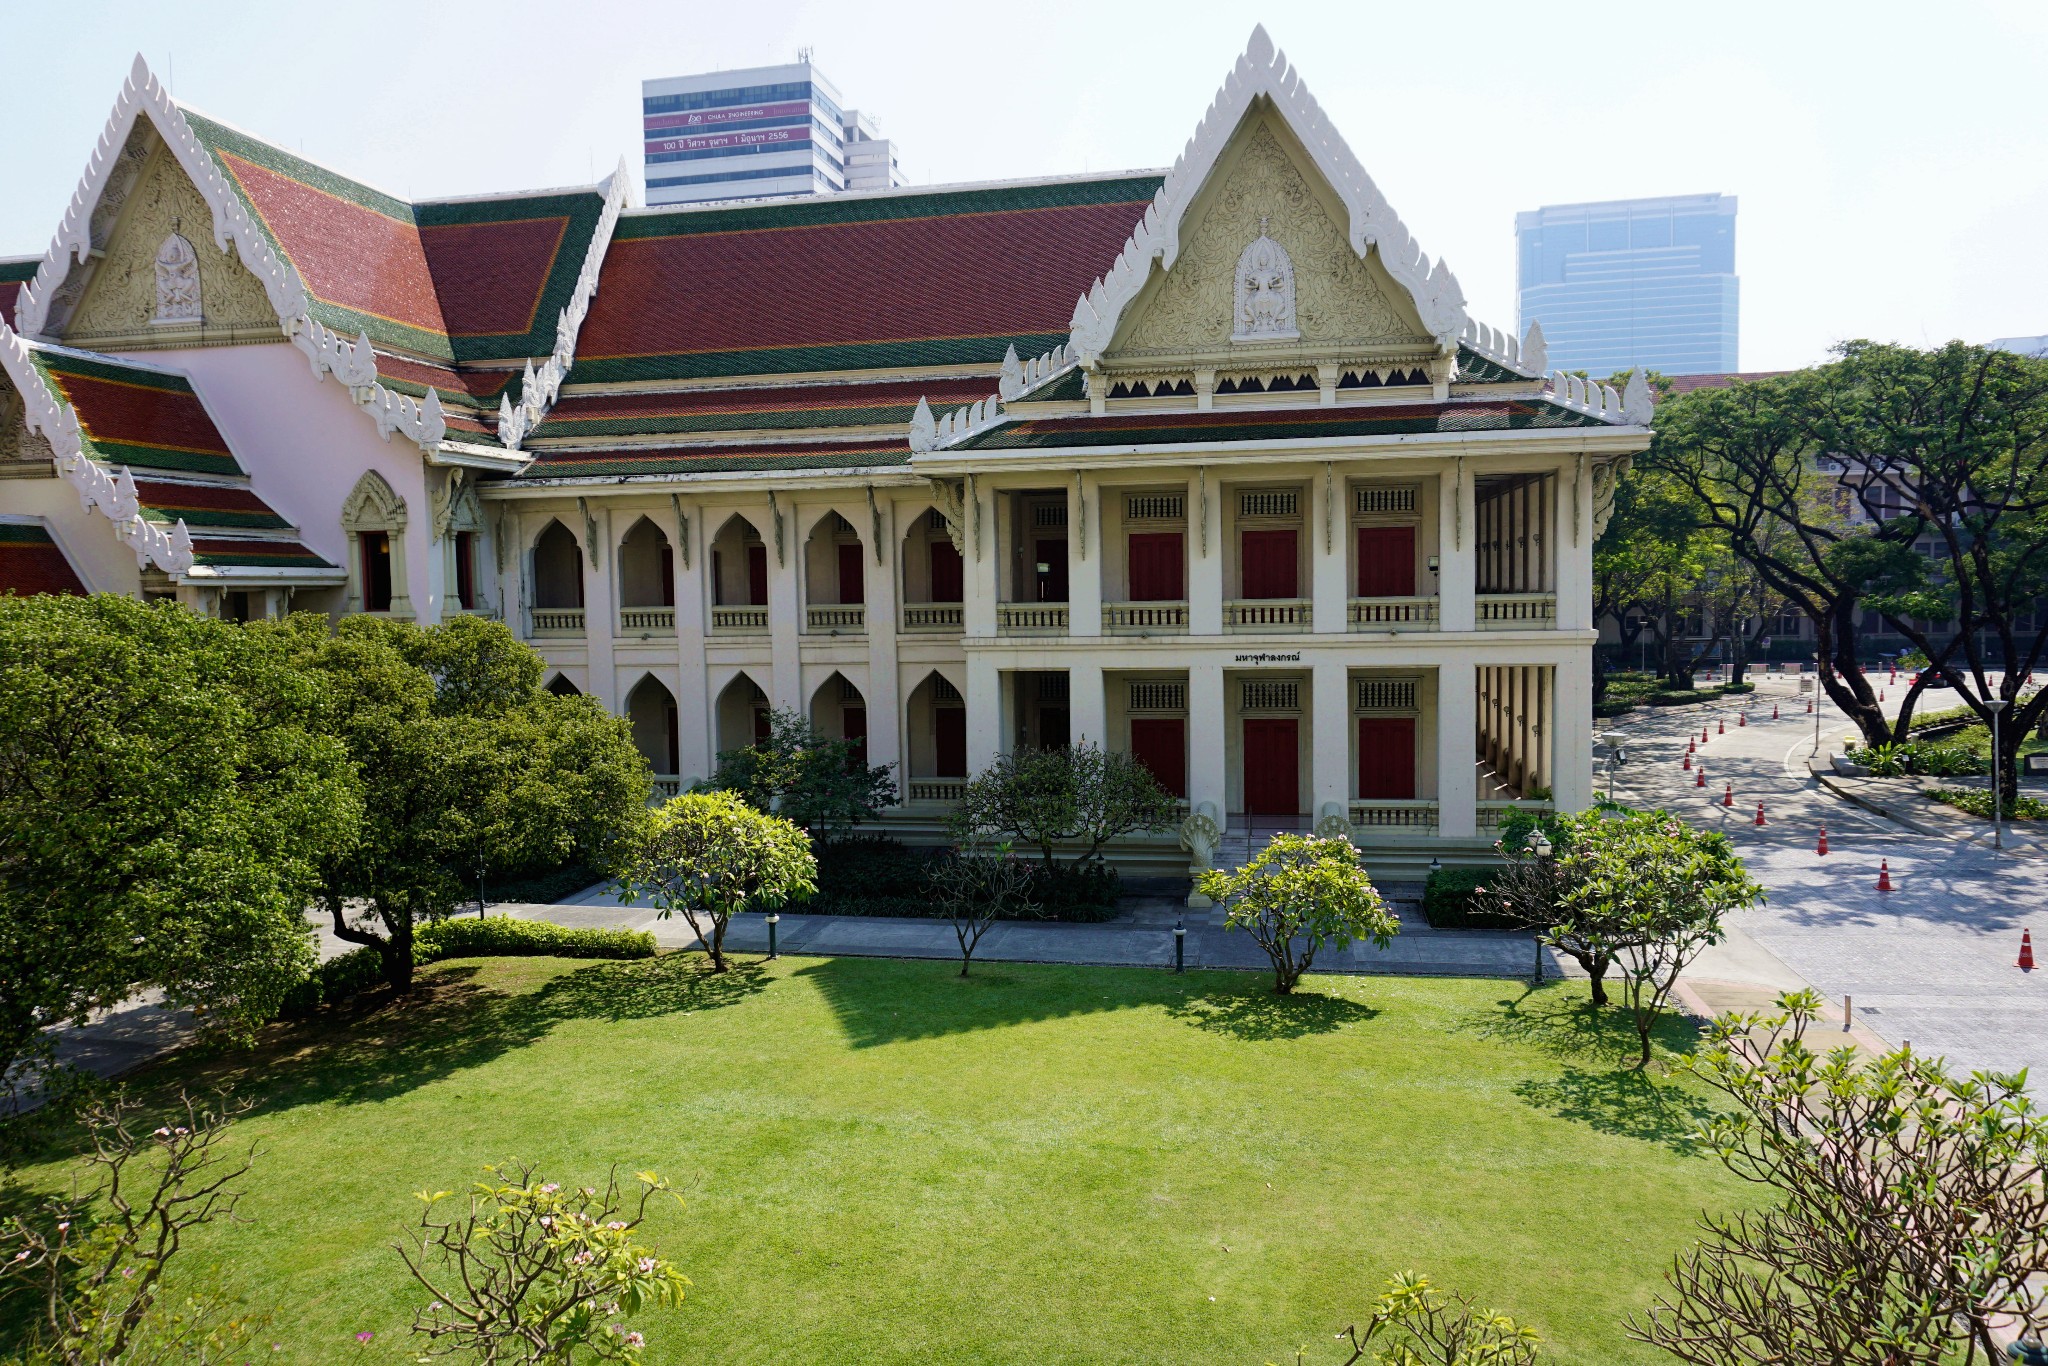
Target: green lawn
x,y
1042,1164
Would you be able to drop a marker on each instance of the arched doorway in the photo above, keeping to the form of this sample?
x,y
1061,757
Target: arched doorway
x,y
840,712
651,711
741,714
557,569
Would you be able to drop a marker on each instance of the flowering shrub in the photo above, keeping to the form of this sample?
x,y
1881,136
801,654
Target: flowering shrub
x,y
536,1271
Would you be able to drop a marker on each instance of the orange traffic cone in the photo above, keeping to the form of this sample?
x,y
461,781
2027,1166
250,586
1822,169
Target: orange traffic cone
x,y
1728,796
2026,950
1760,814
1823,849
1809,706
1774,711
1689,746
1703,776
1884,875
1687,765
1741,719
1724,727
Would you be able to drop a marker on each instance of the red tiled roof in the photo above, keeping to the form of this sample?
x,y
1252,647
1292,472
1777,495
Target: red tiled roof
x,y
205,505
490,275
717,458
136,415
31,562
768,407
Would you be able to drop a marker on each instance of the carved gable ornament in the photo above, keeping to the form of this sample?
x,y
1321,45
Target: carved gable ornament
x,y
1265,292
177,282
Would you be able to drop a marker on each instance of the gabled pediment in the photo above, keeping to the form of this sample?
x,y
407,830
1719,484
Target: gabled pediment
x,y
1265,150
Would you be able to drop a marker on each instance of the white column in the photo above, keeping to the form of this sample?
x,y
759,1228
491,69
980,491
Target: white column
x,y
885,705
600,612
1205,562
1087,706
695,750
1084,558
509,551
1207,741
1457,533
984,711
1571,732
785,607
1327,528
1457,720
1573,538
980,552
1329,742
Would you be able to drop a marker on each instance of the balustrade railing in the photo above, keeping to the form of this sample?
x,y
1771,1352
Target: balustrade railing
x,y
1516,611
1372,815
836,618
558,621
667,785
1268,614
1031,618
1492,814
932,616
937,789
1393,614
1130,618
737,619
648,620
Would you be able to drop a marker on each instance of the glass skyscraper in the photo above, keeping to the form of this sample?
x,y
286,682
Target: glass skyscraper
x,y
1630,282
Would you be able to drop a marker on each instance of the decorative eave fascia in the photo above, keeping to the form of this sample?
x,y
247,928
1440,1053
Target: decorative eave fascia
x,y
111,492
465,455
928,433
1264,71
1529,357
708,483
539,389
353,363
261,576
1634,406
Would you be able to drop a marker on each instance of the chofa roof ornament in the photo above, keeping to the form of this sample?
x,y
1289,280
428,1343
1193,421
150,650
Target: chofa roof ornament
x,y
1263,72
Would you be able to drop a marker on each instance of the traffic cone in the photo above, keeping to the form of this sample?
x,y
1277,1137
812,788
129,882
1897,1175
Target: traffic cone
x,y
1809,706
1728,796
1688,744
1884,875
1774,711
1823,849
1687,765
1741,719
2026,950
1724,727
1760,814
1703,776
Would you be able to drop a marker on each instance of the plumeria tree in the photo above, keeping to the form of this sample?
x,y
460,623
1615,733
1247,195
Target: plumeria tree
x,y
1415,1324
532,1271
974,887
1299,894
710,856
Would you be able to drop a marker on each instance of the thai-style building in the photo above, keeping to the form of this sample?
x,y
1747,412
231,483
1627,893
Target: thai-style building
x,y
1208,464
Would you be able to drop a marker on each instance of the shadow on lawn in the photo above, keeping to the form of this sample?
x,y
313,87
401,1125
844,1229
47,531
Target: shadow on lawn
x,y
1625,1102
883,1001
1258,1014
380,1046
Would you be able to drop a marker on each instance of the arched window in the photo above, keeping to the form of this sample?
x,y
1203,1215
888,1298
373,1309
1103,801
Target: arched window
x,y
557,569
374,518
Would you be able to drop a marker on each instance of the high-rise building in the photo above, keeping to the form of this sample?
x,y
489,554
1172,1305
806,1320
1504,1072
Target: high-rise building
x,y
1632,282
766,130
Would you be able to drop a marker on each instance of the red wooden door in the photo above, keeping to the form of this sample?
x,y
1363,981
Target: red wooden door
x,y
946,576
757,576
853,726
950,724
1267,560
1052,579
853,584
1160,743
1386,757
668,575
1386,562
1156,564
1272,765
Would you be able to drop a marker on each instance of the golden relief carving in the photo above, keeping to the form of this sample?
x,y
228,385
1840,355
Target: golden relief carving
x,y
17,442
1339,298
123,300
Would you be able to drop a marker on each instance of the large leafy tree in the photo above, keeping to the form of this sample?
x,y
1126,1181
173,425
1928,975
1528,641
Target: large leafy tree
x,y
822,784
468,767
1079,795
166,794
1297,895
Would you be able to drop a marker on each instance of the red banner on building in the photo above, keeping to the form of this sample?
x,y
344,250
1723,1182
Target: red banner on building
x,y
750,138
714,118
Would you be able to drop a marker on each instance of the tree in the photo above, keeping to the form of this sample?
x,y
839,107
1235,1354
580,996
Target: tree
x,y
1298,894
1650,567
468,766
534,1272
1078,794
710,855
1531,889
820,783
94,1261
1911,1209
976,887
1423,1326
1648,892
166,793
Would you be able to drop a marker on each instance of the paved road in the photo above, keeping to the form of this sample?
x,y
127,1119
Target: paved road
x,y
1931,962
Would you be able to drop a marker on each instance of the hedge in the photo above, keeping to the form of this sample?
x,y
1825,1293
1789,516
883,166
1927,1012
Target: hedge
x,y
497,936
1447,901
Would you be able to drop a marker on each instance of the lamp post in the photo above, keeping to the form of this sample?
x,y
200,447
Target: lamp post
x,y
479,887
1995,705
1540,847
1180,947
774,919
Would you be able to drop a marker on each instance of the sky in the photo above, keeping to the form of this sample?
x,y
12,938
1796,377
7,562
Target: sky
x,y
1891,159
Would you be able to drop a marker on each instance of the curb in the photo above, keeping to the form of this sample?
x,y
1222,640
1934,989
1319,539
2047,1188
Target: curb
x,y
1856,799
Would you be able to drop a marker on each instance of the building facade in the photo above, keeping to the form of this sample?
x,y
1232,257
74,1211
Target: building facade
x,y
1632,282
765,131
1209,465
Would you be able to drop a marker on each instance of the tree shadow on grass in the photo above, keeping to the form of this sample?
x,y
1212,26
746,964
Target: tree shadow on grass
x,y
1560,1021
880,1001
1258,1014
1625,1102
379,1046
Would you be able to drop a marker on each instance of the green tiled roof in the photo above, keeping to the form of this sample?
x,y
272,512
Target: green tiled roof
x,y
1150,429
718,459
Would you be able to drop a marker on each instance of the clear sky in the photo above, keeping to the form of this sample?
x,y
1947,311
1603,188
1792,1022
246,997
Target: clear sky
x,y
1891,158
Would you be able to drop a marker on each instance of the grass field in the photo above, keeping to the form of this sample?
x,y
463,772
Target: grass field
x,y
883,1163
